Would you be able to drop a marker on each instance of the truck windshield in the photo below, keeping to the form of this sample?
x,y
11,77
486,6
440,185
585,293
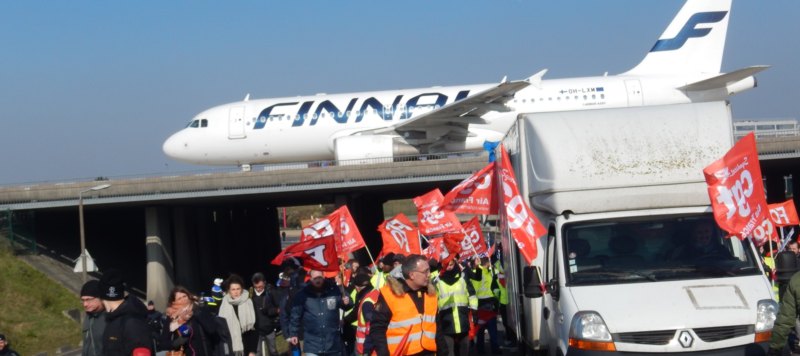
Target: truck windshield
x,y
653,249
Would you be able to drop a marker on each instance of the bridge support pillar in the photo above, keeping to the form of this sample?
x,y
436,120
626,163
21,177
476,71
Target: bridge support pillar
x,y
160,268
367,211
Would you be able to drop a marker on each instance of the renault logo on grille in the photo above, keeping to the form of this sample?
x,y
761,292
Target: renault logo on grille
x,y
686,339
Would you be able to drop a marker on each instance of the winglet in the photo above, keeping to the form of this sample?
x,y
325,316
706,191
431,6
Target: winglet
x,y
246,97
536,79
504,80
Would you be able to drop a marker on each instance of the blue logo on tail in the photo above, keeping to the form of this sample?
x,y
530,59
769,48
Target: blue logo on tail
x,y
689,30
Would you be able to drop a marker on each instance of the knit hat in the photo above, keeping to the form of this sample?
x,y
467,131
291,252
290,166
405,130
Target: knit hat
x,y
361,280
112,287
91,289
2,337
388,259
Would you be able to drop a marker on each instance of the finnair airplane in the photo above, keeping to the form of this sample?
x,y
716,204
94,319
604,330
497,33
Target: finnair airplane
x,y
682,67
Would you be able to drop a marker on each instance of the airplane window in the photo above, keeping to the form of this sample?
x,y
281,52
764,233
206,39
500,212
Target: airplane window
x,y
558,98
576,97
203,123
585,97
550,99
594,96
524,100
194,123
602,96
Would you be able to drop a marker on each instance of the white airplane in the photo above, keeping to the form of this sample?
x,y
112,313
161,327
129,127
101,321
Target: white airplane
x,y
682,67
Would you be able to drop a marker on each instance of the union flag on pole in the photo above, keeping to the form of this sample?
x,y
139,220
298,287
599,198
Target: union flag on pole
x,y
316,254
432,220
452,242
516,215
784,214
399,236
341,226
474,195
473,243
737,193
435,249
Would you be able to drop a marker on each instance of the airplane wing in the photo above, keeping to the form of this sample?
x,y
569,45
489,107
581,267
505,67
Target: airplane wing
x,y
452,121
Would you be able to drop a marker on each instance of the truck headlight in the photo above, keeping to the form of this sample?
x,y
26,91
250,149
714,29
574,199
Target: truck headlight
x,y
589,332
766,313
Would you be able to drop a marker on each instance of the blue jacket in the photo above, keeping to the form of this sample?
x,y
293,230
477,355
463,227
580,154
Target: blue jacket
x,y
317,311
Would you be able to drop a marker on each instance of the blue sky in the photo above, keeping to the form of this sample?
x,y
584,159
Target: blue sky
x,y
92,89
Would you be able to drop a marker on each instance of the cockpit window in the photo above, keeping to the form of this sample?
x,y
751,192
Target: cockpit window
x,y
198,123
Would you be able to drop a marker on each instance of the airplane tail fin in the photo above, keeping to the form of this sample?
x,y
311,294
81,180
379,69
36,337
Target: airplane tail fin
x,y
693,43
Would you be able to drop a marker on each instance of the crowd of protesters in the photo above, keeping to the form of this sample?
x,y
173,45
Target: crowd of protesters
x,y
405,305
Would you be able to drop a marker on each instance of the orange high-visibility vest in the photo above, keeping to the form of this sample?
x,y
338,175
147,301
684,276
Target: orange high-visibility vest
x,y
362,328
406,320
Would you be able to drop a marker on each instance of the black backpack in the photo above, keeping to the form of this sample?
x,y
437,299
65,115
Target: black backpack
x,y
223,344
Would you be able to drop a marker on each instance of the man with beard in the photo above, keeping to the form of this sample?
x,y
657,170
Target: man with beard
x,y
316,307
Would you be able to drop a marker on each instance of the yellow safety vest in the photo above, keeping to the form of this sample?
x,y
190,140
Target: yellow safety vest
x,y
451,297
483,288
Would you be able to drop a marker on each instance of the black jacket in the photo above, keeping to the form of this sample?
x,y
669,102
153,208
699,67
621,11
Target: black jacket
x,y
7,351
266,306
126,329
201,339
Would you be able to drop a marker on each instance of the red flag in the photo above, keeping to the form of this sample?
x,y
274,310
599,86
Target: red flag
x,y
784,214
317,254
341,226
399,236
473,243
516,215
431,220
473,195
435,249
452,242
737,192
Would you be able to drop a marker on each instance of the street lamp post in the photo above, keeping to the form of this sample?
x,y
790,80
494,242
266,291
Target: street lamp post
x,y
80,219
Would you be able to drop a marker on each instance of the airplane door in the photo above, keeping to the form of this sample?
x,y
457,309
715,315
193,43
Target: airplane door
x,y
236,123
634,92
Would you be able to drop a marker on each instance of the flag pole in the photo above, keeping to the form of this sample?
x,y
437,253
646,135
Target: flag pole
x,y
369,254
774,264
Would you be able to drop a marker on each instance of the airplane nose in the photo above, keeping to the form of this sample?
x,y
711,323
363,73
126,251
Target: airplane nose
x,y
174,146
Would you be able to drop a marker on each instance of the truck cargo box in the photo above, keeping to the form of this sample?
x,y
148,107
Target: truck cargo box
x,y
622,159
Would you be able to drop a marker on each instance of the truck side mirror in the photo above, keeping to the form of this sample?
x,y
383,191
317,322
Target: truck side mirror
x,y
531,283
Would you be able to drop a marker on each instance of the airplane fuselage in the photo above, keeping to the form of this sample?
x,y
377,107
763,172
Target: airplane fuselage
x,y
294,129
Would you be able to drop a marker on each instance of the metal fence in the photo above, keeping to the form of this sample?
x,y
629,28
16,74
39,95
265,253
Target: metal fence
x,y
18,229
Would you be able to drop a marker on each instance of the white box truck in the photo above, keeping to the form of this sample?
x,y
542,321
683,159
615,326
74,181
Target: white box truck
x,y
633,261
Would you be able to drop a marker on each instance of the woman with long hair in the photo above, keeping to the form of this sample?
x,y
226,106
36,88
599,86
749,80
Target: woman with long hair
x,y
187,329
238,311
